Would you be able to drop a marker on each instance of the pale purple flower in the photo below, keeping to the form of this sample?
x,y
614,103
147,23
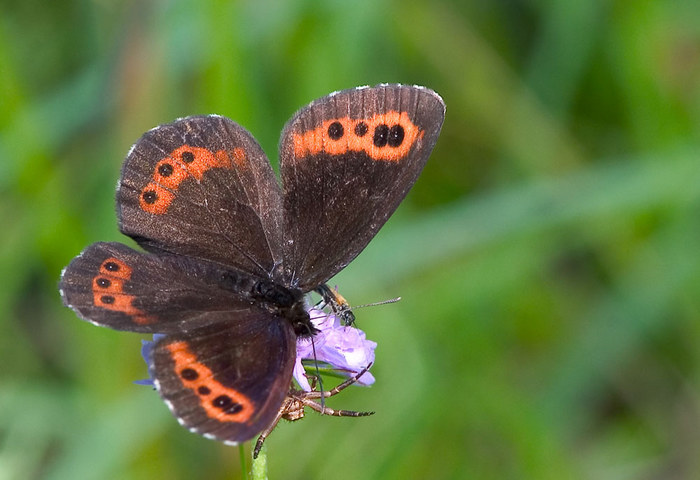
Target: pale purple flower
x,y
146,348
345,348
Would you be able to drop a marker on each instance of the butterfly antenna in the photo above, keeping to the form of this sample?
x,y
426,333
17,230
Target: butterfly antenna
x,y
383,302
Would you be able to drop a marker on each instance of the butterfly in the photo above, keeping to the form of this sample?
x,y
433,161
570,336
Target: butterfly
x,y
229,254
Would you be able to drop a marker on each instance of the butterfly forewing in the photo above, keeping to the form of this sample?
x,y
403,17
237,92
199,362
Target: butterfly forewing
x,y
202,187
347,161
227,383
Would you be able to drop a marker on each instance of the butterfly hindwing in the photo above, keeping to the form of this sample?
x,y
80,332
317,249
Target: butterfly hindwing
x,y
202,187
347,161
112,285
227,380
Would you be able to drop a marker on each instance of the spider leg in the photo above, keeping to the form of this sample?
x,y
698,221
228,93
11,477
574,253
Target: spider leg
x,y
339,388
335,413
293,407
263,435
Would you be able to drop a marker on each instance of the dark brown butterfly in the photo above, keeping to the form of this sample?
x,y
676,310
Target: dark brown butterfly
x,y
231,254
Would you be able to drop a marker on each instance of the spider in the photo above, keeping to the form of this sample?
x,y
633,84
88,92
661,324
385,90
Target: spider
x,y
292,408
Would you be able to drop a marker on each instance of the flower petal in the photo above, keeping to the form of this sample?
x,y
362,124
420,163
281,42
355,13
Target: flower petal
x,y
345,348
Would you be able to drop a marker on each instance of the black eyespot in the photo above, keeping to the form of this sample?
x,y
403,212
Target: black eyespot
x,y
226,404
103,282
189,374
335,130
165,170
108,299
112,267
187,157
396,135
222,401
381,135
361,129
203,390
150,197
235,408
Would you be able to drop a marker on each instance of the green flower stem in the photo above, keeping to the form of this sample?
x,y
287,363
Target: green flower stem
x,y
260,465
244,464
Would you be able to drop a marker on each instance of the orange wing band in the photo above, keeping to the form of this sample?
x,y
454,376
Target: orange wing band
x,y
182,163
384,137
108,290
219,402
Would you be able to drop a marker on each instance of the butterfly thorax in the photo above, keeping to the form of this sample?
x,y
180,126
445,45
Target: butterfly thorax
x,y
286,302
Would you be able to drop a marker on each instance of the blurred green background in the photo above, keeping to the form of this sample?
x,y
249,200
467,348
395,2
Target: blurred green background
x,y
547,257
